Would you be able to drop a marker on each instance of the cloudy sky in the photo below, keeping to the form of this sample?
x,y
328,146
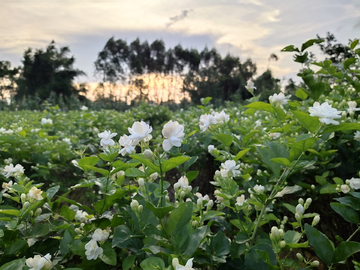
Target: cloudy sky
x,y
246,28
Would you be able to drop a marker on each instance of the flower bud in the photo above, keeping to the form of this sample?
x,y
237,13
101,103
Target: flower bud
x,y
281,232
274,232
140,208
77,230
23,198
182,194
199,202
195,223
148,154
308,202
217,173
38,212
210,204
282,227
297,216
312,186
141,182
175,262
167,198
134,205
26,205
282,244
176,186
300,257
314,264
301,201
315,220
299,209
247,245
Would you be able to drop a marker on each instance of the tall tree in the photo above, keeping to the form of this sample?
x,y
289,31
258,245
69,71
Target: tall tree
x,y
336,52
7,79
46,71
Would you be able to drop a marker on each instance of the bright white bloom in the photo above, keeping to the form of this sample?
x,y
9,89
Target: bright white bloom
x,y
84,108
357,136
229,168
299,209
240,200
211,148
106,138
81,215
39,262
355,183
93,251
352,107
6,186
154,176
188,265
10,170
221,117
325,112
173,133
140,131
35,193
45,121
250,86
345,188
183,183
205,121
67,140
275,135
127,144
279,99
257,188
218,198
100,235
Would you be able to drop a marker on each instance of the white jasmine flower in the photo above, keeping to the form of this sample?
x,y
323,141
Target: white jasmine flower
x,y
93,251
154,176
39,262
45,121
357,136
275,135
221,117
218,198
173,133
257,188
211,148
183,183
240,200
352,107
84,108
250,86
81,215
100,235
6,186
67,140
345,188
205,121
35,193
127,144
106,138
355,183
140,131
229,168
188,265
279,99
325,112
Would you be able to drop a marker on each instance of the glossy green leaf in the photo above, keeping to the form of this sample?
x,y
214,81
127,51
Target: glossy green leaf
x,y
290,48
241,153
348,62
353,202
152,263
307,121
192,175
190,162
225,139
323,247
96,169
109,158
349,214
196,237
128,262
67,213
17,264
179,217
311,42
40,229
273,150
207,100
146,161
354,43
109,255
282,161
300,93
159,212
292,237
87,161
288,190
344,250
342,126
173,163
52,191
15,247
261,106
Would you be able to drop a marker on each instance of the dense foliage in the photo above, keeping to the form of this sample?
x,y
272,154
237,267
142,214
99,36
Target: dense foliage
x,y
88,189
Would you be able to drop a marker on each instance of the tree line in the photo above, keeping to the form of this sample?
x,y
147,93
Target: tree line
x,y
202,73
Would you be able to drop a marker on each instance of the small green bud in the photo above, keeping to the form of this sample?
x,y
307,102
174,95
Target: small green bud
x,y
314,264
300,257
148,154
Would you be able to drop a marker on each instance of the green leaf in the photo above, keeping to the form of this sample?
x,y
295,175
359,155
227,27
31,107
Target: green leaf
x,y
128,262
342,126
301,146
282,161
106,186
87,161
344,250
273,150
207,100
15,247
96,169
52,191
290,48
65,241
307,121
109,158
179,217
196,237
211,214
323,247
280,113
311,42
39,230
292,237
288,190
300,93
83,207
241,154
348,62
14,265
152,263
10,212
225,139
159,212
261,106
354,43
77,247
67,213
134,172
190,162
146,161
346,212
191,133
220,245
172,163
191,175
109,254
354,203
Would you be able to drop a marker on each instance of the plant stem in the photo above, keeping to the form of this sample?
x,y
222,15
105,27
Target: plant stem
x,y
351,236
161,182
257,223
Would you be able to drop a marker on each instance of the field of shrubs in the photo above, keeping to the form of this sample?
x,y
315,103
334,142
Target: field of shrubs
x,y
254,186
